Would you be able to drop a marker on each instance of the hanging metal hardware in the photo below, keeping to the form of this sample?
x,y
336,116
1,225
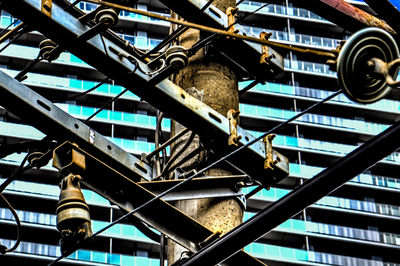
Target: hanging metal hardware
x,y
73,218
233,117
269,162
367,65
270,57
231,12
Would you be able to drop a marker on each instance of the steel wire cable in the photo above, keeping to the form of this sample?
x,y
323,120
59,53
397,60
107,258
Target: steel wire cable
x,y
16,36
197,174
75,96
105,105
4,249
9,26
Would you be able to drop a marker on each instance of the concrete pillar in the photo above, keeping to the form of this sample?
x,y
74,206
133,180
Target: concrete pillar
x,y
216,85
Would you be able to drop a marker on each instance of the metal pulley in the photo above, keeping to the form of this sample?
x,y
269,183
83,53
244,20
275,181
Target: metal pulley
x,y
359,65
176,55
73,218
107,16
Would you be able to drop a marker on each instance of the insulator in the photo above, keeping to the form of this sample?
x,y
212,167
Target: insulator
x,y
355,75
107,16
73,218
46,47
176,55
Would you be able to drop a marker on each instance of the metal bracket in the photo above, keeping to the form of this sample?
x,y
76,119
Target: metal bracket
x,y
231,12
269,162
269,55
233,117
46,7
128,195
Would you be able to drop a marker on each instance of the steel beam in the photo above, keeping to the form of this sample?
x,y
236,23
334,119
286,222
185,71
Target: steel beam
x,y
244,54
105,54
128,195
51,120
344,14
202,187
311,191
387,11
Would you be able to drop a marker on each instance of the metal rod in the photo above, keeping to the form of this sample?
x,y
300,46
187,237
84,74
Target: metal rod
x,y
197,174
166,41
331,54
12,31
28,68
167,143
311,191
248,87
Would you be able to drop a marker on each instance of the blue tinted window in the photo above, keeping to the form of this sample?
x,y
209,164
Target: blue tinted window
x,y
73,83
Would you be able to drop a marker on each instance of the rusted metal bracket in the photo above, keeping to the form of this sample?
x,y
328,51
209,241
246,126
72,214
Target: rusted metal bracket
x,y
231,12
233,117
47,6
269,162
268,54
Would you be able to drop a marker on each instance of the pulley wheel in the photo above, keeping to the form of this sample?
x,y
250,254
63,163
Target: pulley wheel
x,y
355,77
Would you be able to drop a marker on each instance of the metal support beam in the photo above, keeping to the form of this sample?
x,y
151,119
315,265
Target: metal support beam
x,y
203,187
128,195
48,118
344,14
386,11
105,54
114,180
311,191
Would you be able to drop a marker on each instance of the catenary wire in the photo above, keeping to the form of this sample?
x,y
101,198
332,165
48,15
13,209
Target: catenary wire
x,y
16,36
9,26
197,174
75,96
105,105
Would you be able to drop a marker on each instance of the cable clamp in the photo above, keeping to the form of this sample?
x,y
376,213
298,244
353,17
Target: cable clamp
x,y
269,162
233,117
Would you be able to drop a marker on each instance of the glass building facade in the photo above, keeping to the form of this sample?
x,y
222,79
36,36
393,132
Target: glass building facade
x,y
355,225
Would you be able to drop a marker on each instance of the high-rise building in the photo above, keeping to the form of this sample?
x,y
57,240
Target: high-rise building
x,y
355,225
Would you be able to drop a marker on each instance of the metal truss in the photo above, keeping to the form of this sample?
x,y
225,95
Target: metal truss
x,y
117,179
107,54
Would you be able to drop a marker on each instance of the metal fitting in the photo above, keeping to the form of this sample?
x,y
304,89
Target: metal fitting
x,y
73,218
48,50
107,16
176,55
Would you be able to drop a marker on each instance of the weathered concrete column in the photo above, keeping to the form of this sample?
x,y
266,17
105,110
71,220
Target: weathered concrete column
x,y
216,85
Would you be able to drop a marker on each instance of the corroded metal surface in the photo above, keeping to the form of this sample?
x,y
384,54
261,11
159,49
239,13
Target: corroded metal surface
x,y
344,14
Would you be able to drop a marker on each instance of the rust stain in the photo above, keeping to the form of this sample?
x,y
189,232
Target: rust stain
x,y
358,14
